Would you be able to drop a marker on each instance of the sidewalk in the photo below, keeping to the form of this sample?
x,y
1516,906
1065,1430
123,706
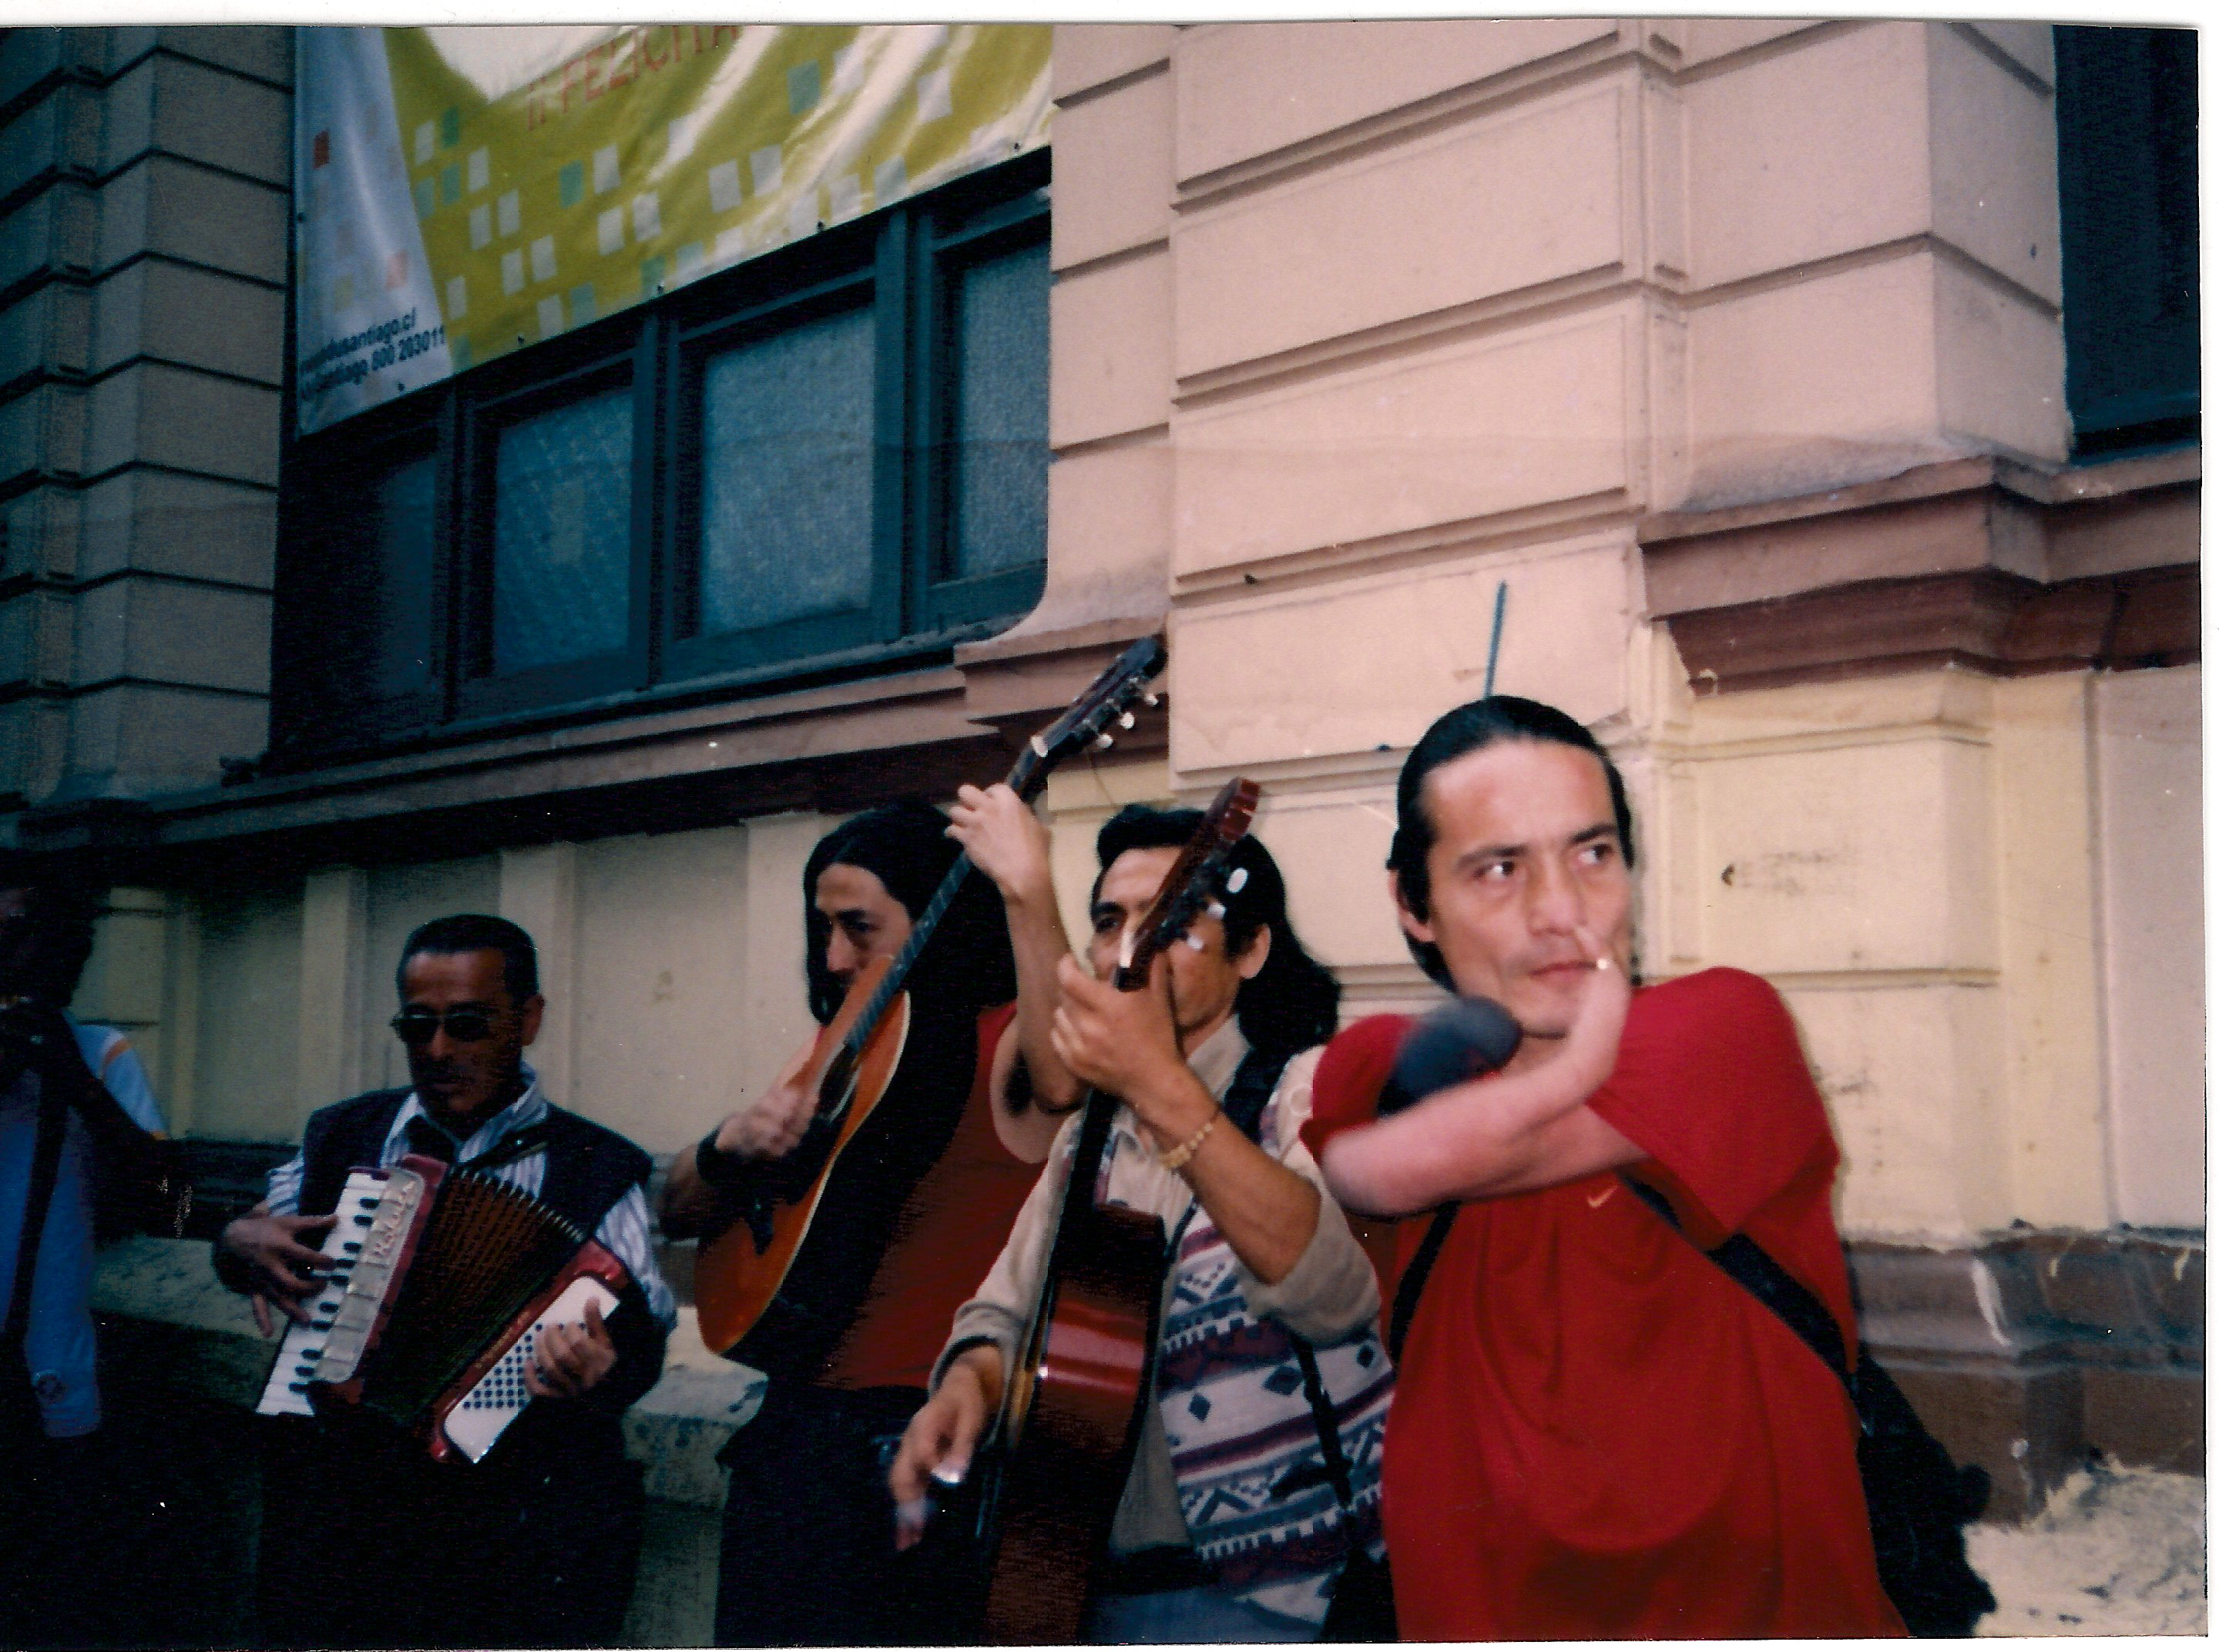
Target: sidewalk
x,y
2116,1551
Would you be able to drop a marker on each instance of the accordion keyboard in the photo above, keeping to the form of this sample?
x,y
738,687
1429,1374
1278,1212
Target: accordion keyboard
x,y
374,1202
495,1400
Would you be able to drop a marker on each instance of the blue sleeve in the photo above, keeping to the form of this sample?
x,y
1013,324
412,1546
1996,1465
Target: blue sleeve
x,y
111,1058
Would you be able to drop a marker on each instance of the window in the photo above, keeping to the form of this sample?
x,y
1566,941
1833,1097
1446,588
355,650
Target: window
x,y
832,459
2126,165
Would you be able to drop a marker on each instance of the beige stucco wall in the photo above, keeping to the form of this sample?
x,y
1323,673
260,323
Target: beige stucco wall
x,y
1353,324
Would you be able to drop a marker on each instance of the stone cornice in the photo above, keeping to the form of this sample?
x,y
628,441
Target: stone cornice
x,y
1983,563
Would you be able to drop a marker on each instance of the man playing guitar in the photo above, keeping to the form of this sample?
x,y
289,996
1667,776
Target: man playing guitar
x,y
1225,1027
911,1217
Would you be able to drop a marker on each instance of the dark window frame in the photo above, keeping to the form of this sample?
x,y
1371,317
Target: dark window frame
x,y
900,262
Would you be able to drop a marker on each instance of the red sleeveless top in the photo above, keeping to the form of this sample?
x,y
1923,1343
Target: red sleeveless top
x,y
951,1228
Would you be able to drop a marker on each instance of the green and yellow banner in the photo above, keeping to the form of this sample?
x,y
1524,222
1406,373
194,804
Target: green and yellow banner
x,y
464,192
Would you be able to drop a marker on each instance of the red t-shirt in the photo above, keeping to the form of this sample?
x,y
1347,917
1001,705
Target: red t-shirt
x,y
1595,1432
950,1230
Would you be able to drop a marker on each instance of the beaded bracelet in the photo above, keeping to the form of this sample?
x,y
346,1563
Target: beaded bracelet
x,y
1177,1159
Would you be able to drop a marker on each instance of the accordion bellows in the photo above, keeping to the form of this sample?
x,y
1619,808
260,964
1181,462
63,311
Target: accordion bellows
x,y
442,1282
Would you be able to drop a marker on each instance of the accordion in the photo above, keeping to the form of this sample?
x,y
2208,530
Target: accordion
x,y
441,1282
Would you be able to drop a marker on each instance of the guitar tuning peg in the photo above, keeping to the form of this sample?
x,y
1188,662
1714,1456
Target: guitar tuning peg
x,y
1216,910
1152,699
1125,721
1195,942
1238,881
1102,741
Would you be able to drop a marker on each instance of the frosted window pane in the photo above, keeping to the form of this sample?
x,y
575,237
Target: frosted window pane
x,y
562,535
999,505
786,476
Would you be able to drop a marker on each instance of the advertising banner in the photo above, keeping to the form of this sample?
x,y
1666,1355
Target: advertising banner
x,y
463,192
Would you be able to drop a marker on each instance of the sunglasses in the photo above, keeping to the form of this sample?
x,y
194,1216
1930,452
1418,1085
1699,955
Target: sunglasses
x,y
465,1025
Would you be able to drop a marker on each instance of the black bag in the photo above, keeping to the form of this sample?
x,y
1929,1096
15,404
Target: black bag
x,y
1918,1500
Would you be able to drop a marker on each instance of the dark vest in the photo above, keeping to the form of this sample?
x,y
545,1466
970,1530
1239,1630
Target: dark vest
x,y
588,1168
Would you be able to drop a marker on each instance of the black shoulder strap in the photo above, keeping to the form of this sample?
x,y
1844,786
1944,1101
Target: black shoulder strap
x,y
1328,1425
45,1169
1253,1081
1749,1265
1414,1279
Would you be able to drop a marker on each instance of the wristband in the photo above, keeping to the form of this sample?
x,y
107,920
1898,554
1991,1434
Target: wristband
x,y
719,1169
1177,1157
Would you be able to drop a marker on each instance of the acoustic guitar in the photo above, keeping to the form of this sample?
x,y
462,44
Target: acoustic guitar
x,y
1049,1483
742,1270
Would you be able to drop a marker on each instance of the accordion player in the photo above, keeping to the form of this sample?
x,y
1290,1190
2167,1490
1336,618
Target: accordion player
x,y
441,1282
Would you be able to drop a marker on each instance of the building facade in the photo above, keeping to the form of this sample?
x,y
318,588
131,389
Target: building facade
x,y
1761,365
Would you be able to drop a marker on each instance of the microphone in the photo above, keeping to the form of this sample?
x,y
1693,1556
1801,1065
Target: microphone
x,y
1461,1039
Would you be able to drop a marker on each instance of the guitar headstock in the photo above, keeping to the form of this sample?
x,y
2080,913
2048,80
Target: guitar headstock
x,y
1190,885
1108,700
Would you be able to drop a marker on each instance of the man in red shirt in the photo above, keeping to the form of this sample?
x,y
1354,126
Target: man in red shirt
x,y
1596,1433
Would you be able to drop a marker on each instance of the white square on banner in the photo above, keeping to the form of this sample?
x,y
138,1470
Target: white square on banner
x,y
891,181
512,272
801,217
768,166
458,298
606,177
932,98
679,136
724,186
510,212
551,315
847,68
847,198
481,169
543,258
427,135
731,244
690,260
646,218
610,224
480,225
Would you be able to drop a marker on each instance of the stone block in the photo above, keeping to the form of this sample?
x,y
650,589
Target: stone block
x,y
1994,161
33,738
1703,40
1088,54
42,433
34,627
59,133
161,205
193,317
156,415
394,900
154,630
1910,1073
2152,1419
1514,419
160,522
1112,332
123,981
262,51
45,333
1849,857
1113,172
29,56
1809,154
136,740
1108,534
1811,385
1333,674
1501,204
43,533
1331,842
2023,1426
660,961
56,232
2000,361
198,113
2031,46
248,969
2149,784
1246,90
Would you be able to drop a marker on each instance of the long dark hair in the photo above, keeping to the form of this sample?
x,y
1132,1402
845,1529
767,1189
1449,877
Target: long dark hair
x,y
1471,727
1291,1003
906,846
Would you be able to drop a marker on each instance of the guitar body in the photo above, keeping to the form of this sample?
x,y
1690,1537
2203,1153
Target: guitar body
x,y
736,1279
1070,1423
